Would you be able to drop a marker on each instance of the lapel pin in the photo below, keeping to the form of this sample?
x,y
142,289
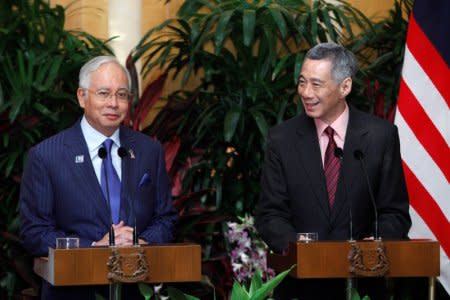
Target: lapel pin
x,y
131,153
79,159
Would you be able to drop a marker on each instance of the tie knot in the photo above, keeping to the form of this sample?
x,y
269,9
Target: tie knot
x,y
329,131
108,144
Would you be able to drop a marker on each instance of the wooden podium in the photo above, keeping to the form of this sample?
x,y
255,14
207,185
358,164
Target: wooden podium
x,y
330,259
88,266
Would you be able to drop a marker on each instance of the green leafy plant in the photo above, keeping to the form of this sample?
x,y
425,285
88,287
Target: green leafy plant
x,y
40,61
355,295
257,289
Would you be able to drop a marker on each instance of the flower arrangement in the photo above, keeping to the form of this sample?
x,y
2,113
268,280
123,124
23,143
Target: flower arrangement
x,y
248,251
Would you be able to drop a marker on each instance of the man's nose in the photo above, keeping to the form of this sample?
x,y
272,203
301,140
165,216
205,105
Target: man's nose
x,y
112,100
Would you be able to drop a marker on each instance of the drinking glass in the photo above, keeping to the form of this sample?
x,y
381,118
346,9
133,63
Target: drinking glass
x,y
67,243
307,237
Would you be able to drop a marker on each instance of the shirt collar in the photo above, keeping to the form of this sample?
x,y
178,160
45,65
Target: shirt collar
x,y
94,139
339,125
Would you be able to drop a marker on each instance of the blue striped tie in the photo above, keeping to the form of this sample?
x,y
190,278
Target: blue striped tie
x,y
113,184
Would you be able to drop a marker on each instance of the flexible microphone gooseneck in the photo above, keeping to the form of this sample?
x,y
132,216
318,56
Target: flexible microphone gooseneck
x,y
339,153
122,152
102,154
359,155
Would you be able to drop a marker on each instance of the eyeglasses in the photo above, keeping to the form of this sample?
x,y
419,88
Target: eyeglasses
x,y
122,95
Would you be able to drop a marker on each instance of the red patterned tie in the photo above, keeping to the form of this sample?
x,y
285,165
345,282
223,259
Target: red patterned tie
x,y
331,166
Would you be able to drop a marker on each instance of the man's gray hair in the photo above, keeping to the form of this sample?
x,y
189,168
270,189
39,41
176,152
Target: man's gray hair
x,y
95,63
343,61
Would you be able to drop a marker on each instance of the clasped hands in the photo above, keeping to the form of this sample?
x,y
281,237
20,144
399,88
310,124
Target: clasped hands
x,y
123,236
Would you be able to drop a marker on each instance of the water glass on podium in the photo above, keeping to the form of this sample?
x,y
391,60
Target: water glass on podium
x,y
67,243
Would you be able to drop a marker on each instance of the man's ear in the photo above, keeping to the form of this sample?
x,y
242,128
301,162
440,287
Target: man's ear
x,y
81,96
346,87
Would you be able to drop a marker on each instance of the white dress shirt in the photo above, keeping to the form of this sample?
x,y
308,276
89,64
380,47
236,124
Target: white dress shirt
x,y
94,141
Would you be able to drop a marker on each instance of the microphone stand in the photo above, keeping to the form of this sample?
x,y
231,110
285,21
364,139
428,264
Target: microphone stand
x,y
122,152
356,255
360,156
339,153
114,287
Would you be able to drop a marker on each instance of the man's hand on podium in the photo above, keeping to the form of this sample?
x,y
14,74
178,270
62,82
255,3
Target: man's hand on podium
x,y
123,236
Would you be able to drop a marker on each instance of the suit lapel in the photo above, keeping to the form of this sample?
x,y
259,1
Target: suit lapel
x,y
76,148
308,149
356,139
129,175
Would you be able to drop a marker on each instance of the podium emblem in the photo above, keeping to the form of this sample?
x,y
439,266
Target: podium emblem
x,y
127,267
368,259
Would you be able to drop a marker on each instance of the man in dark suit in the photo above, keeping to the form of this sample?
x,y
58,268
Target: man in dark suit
x,y
63,190
297,195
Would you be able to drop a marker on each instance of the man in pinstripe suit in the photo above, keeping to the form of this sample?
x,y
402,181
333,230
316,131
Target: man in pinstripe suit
x,y
61,192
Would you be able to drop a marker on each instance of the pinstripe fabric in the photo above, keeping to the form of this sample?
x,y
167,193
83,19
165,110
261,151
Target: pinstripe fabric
x,y
61,196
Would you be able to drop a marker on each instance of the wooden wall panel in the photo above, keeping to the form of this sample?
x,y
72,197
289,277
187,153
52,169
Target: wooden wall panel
x,y
373,9
87,15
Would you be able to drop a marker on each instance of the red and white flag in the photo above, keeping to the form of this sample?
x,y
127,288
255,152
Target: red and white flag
x,y
423,120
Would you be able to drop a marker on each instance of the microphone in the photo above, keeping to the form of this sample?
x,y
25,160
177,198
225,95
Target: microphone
x,y
122,152
102,154
359,155
339,153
